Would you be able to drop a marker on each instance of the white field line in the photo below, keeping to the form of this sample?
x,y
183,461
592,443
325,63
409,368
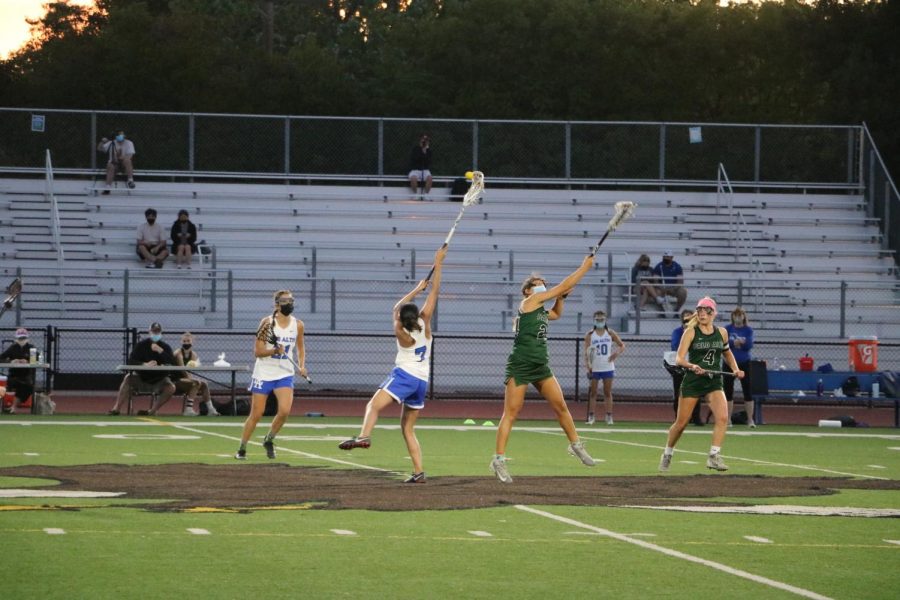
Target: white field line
x,y
198,531
780,509
54,531
730,457
756,538
478,533
342,532
216,423
677,554
282,449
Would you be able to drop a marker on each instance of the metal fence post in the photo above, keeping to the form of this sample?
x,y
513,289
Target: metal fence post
x,y
333,304
125,282
843,309
431,371
287,145
313,286
609,284
740,292
214,286
191,142
757,152
511,266
885,239
870,187
577,378
662,152
230,299
850,149
412,264
568,173
19,299
93,140
381,147
474,144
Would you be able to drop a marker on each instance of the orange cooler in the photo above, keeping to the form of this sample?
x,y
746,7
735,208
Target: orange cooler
x,y
863,354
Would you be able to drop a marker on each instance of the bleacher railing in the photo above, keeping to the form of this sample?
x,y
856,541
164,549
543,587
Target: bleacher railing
x,y
236,299
882,198
350,148
55,227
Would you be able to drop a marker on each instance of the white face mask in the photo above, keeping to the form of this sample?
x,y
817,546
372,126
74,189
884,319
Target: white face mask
x,y
600,323
538,289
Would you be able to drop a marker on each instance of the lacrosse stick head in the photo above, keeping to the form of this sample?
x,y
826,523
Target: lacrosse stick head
x,y
475,189
624,210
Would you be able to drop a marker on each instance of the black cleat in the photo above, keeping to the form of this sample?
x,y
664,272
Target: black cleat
x,y
269,445
416,478
355,442
241,454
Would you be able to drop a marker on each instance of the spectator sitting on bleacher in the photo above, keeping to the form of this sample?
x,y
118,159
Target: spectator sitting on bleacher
x,y
119,151
184,239
643,280
670,276
420,165
150,351
151,243
19,380
186,383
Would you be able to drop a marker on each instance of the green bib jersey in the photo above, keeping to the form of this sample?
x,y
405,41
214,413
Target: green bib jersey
x,y
529,360
706,351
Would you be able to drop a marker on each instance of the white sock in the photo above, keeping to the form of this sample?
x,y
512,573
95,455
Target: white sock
x,y
209,405
669,451
714,449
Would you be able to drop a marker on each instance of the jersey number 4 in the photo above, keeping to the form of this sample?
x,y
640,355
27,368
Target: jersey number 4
x,y
709,357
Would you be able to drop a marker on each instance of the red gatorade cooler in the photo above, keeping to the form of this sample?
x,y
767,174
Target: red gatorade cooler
x,y
863,354
806,363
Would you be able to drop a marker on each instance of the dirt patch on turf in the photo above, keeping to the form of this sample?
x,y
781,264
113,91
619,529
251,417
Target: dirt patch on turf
x,y
243,487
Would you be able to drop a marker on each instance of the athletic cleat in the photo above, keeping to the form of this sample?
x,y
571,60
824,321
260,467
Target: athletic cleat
x,y
590,419
189,412
498,466
212,412
241,454
416,478
113,413
752,424
269,445
609,419
665,461
714,461
355,442
577,449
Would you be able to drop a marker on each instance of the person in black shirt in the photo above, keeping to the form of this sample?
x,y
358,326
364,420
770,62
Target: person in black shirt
x,y
420,165
19,380
151,351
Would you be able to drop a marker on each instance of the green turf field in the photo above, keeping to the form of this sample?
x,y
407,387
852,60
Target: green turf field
x,y
64,547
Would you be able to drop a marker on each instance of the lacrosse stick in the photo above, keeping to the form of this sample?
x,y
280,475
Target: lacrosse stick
x,y
469,199
12,292
671,356
273,339
623,211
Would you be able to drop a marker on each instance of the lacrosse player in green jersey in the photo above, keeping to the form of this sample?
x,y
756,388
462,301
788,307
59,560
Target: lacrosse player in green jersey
x,y
529,363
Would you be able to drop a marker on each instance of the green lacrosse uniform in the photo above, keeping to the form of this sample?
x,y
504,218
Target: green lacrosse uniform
x,y
706,351
529,360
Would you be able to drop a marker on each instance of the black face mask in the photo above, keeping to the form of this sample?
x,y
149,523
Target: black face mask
x,y
186,346
286,309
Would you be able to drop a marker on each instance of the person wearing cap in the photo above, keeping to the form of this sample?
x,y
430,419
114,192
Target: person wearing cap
x,y
420,165
670,277
19,380
702,347
184,240
151,241
150,351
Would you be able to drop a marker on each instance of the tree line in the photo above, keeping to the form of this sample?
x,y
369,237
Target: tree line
x,y
828,61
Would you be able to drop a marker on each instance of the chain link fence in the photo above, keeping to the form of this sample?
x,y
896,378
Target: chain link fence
x,y
271,145
463,367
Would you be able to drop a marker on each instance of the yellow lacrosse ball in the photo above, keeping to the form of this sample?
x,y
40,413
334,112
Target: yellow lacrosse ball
x,y
469,174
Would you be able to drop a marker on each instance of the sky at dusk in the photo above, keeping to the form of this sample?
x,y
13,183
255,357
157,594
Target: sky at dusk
x,y
14,30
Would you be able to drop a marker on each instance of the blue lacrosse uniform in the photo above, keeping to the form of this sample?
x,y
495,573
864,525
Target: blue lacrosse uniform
x,y
408,381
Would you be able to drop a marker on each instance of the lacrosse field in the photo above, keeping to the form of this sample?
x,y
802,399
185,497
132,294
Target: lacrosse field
x,y
157,508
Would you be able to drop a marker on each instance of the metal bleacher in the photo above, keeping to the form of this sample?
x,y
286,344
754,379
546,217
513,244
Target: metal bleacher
x,y
791,251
